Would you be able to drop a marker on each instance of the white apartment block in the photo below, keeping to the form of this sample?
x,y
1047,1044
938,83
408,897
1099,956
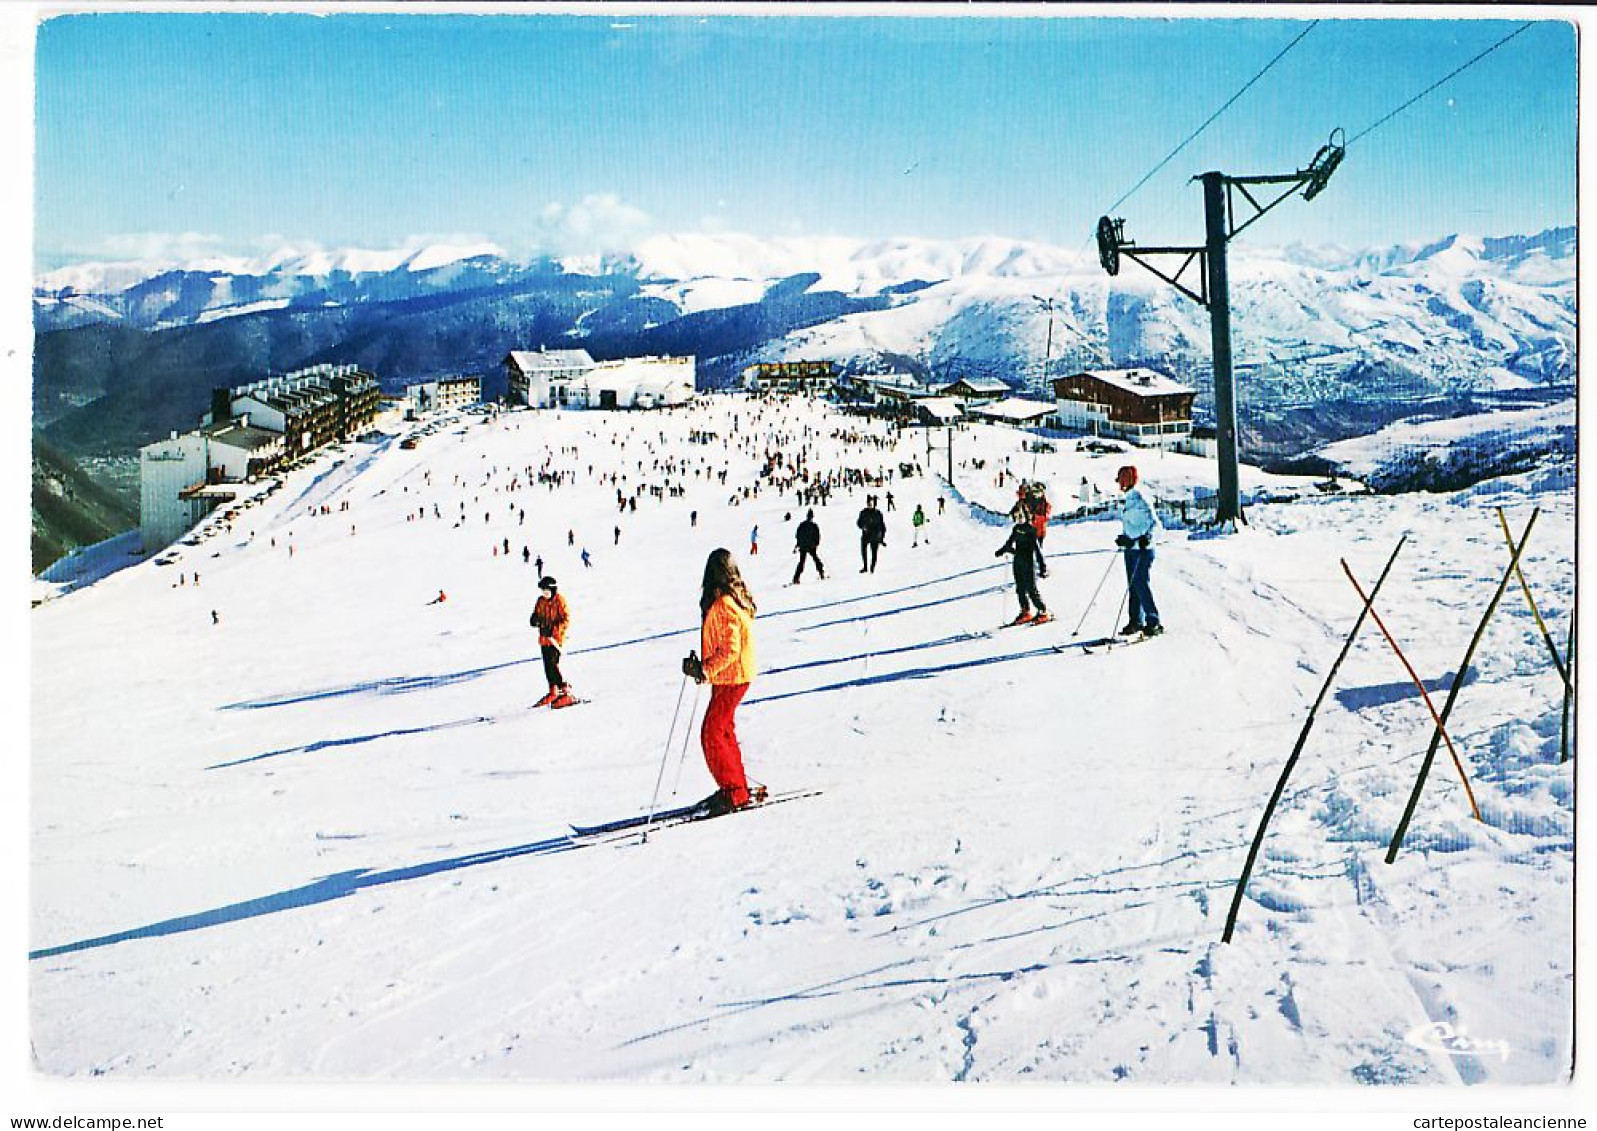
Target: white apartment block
x,y
179,476
545,378
572,379
451,392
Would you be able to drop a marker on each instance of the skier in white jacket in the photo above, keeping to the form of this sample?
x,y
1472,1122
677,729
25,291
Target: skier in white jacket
x,y
1138,524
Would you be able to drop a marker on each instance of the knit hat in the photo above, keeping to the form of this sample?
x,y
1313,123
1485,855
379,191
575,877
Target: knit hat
x,y
547,583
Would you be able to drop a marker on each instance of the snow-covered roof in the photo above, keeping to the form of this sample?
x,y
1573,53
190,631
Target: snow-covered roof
x,y
894,383
528,360
979,385
1015,408
243,436
943,408
1142,382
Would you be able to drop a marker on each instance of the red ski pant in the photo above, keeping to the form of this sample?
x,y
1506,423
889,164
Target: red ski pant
x,y
720,740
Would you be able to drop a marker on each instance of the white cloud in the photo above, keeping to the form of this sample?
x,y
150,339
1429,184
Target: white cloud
x,y
598,223
179,247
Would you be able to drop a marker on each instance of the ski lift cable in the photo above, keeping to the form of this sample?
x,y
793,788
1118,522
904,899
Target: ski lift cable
x,y
1445,78
1212,117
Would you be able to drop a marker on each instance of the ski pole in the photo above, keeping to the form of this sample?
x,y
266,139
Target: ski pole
x,y
687,736
1114,630
665,755
1093,600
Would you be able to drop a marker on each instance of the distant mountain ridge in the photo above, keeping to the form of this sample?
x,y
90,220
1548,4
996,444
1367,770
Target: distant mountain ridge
x,y
125,352
133,290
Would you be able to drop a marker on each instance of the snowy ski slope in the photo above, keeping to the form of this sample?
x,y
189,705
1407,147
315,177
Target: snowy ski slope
x,y
325,837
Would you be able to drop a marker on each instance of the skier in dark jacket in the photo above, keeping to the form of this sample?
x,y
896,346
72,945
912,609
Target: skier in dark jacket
x,y
873,534
808,543
1029,566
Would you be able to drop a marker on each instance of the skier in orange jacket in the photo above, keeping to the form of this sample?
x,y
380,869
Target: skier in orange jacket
x,y
551,616
727,664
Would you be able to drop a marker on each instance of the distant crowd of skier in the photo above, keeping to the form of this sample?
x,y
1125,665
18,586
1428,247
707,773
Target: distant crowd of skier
x,y
788,451
725,657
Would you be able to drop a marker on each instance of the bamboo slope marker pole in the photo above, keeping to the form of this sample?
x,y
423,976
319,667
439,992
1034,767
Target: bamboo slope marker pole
x,y
1424,694
1452,693
1558,662
1303,737
1569,689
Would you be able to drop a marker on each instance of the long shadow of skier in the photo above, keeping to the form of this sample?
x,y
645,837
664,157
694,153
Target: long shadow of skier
x,y
909,673
395,685
353,740
944,642
324,890
865,981
882,977
401,685
906,608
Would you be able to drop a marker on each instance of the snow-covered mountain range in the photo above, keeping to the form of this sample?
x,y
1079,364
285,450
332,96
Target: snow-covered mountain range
x,y
1464,309
1328,342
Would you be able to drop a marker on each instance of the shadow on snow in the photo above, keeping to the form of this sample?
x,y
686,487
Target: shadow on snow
x,y
324,890
1385,694
910,673
402,685
353,740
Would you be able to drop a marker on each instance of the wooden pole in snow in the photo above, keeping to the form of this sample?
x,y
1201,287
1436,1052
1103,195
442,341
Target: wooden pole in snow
x,y
1303,737
1569,689
1452,694
1419,683
1563,670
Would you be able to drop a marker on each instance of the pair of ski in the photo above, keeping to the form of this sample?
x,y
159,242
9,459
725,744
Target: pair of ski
x,y
1102,643
559,706
1032,623
683,815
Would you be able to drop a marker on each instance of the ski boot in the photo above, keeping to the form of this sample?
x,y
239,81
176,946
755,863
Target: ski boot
x,y
554,693
1023,618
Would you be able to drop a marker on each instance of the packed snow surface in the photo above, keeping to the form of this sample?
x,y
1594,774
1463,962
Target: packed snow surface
x,y
325,836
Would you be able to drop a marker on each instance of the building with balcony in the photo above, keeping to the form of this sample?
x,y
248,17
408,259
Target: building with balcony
x,y
449,392
1140,405
975,390
181,478
572,379
323,404
545,378
812,378
249,430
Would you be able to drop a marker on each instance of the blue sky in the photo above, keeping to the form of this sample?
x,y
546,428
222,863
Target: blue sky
x,y
237,131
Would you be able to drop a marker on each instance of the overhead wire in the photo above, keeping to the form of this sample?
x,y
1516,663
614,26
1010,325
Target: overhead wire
x,y
1450,75
1210,120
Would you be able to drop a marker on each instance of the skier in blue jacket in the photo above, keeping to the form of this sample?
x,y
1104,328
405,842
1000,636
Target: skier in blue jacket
x,y
1137,526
